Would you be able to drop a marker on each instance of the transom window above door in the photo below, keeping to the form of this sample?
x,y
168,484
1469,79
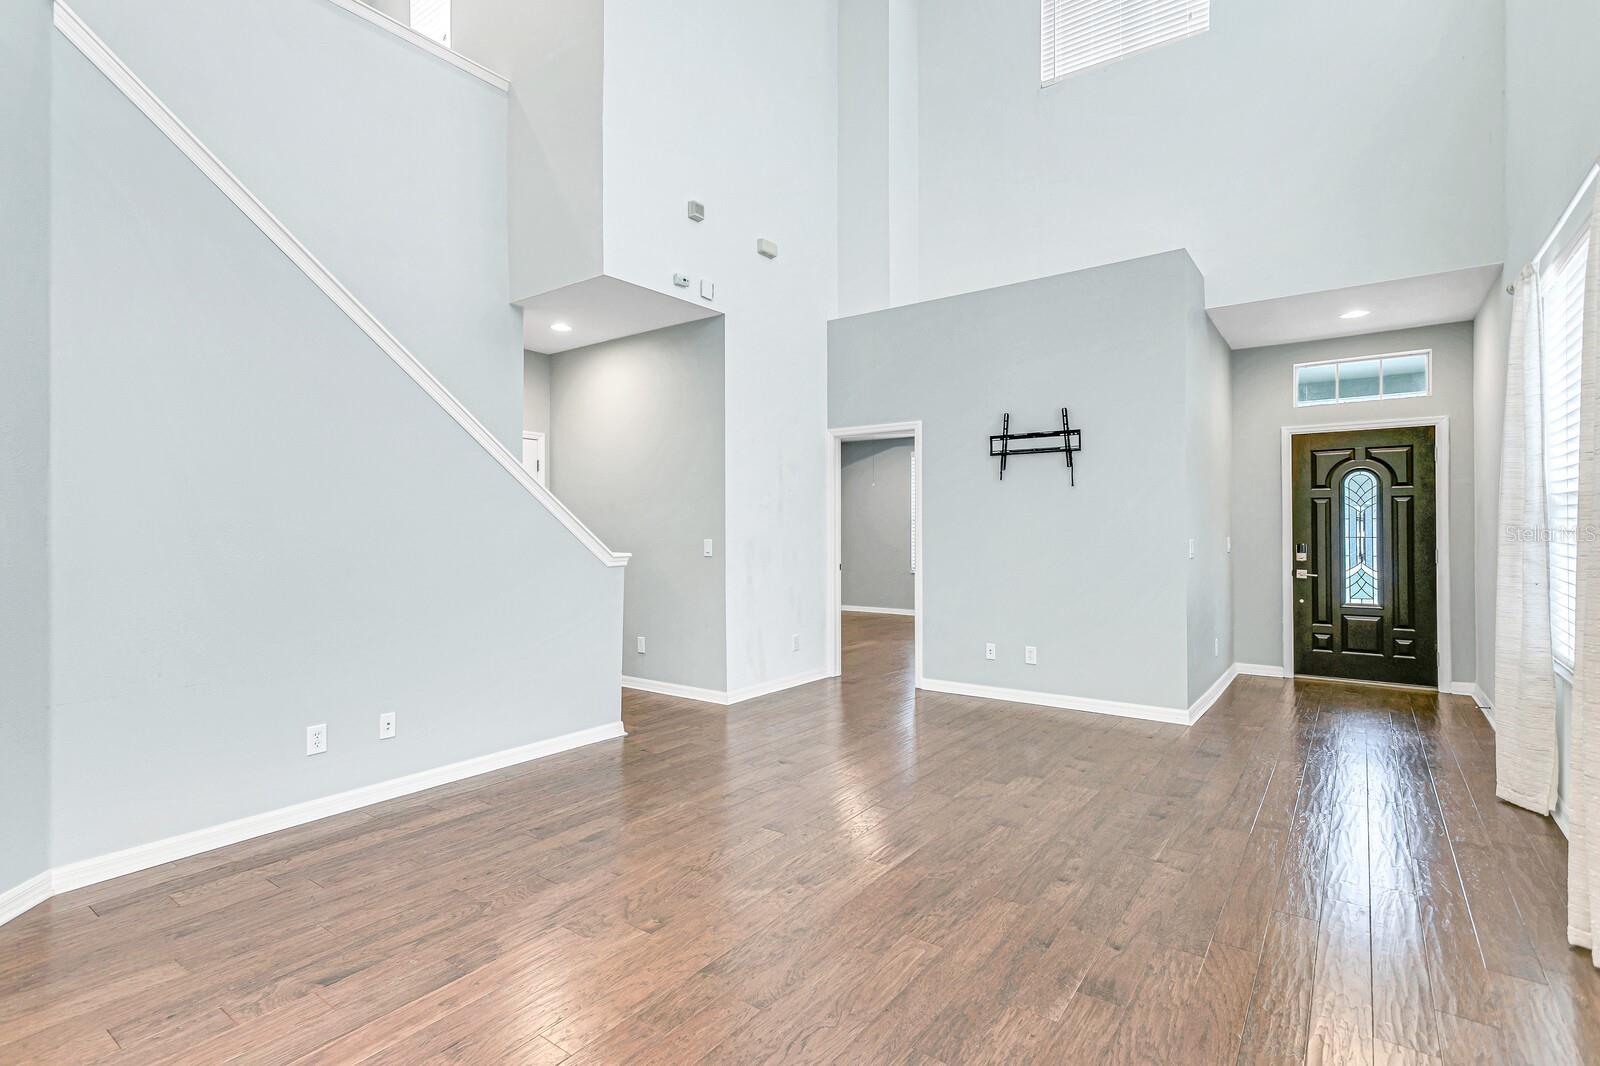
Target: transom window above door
x,y
1365,377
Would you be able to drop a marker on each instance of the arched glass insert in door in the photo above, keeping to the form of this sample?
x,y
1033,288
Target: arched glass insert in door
x,y
1361,538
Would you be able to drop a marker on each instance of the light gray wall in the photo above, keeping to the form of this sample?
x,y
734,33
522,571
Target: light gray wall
x,y
388,163
637,451
25,35
1263,404
875,524
1254,145
259,523
553,52
1208,453
1095,576
535,392
399,10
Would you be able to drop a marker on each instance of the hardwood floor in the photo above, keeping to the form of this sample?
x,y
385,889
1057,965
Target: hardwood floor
x,y
853,872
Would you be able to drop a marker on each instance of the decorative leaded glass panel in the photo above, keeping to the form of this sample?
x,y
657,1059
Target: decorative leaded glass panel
x,y
1361,538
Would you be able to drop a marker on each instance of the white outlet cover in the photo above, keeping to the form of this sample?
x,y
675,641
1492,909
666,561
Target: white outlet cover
x,y
316,739
641,645
794,642
386,728
1030,655
988,651
708,548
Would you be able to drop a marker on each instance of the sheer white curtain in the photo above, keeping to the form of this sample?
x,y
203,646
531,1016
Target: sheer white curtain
x,y
1524,677
1583,787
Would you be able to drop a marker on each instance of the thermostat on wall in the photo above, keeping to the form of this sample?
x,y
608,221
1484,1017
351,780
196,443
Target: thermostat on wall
x,y
766,248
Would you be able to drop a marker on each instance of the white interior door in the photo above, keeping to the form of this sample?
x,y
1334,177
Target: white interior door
x,y
533,457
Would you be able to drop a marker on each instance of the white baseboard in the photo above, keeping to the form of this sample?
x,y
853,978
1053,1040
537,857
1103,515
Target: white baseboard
x,y
672,688
144,856
1184,716
24,897
1145,712
1259,669
1199,707
720,698
767,688
905,611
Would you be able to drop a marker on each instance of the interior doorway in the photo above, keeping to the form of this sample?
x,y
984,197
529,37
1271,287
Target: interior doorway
x,y
875,541
1363,514
533,457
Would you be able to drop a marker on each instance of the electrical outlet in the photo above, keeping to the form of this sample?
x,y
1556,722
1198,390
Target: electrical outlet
x,y
1030,655
640,641
1191,547
988,651
386,726
794,642
316,739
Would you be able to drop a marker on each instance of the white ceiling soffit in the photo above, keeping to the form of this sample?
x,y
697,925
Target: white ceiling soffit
x,y
601,309
1429,300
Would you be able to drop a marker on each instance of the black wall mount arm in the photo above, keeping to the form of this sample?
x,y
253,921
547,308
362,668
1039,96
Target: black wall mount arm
x,y
1068,442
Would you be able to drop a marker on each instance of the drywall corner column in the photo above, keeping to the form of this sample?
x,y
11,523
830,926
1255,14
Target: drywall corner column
x,y
878,129
25,101
1208,453
553,53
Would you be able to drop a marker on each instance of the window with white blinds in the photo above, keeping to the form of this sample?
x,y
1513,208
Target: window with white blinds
x,y
1563,362
431,18
1077,34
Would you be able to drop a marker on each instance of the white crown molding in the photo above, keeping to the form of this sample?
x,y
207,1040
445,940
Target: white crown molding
x,y
144,856
24,897
427,44
902,611
719,697
126,82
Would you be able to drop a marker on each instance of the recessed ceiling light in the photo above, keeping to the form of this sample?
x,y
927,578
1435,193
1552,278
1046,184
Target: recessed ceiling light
x,y
1357,313
562,327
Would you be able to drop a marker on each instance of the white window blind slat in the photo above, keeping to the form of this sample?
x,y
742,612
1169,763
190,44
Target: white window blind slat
x,y
1563,367
1077,34
431,18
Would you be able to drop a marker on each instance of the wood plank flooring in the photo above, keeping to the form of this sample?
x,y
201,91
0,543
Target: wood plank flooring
x,y
853,872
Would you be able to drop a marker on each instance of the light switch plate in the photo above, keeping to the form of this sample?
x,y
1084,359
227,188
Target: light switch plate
x,y
708,289
1030,655
709,552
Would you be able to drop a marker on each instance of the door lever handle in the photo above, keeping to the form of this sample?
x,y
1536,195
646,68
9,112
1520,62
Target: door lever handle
x,y
1304,573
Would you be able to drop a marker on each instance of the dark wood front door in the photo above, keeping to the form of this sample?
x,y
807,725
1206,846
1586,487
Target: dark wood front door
x,y
1363,556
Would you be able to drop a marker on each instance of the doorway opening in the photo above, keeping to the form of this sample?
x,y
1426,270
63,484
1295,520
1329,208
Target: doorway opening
x,y
875,549
1366,569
